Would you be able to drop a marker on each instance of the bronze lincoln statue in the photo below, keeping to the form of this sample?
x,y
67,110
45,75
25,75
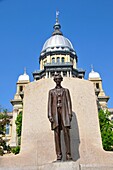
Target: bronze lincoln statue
x,y
60,116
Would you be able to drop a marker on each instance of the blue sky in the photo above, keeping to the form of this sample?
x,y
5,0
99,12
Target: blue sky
x,y
26,24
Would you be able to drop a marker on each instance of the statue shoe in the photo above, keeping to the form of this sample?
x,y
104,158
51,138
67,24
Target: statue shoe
x,y
59,157
68,157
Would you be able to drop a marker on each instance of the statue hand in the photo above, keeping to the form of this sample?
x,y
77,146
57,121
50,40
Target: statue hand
x,y
51,119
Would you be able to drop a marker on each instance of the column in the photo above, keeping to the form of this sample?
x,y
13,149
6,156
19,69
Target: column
x,y
46,75
41,65
74,63
62,73
67,73
70,73
14,141
49,74
48,59
18,90
68,58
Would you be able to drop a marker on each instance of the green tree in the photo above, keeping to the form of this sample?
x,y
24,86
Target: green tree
x,y
18,123
4,118
106,128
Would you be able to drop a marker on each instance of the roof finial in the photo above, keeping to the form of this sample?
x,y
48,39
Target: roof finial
x,y
57,14
92,67
57,26
24,70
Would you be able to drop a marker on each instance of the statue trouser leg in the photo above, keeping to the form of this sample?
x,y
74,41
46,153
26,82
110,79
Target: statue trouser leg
x,y
66,131
57,134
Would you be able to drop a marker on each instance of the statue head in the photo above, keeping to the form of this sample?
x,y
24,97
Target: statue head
x,y
58,78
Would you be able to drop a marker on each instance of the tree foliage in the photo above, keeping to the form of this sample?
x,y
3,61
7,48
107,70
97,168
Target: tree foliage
x,y
19,124
106,128
4,118
15,150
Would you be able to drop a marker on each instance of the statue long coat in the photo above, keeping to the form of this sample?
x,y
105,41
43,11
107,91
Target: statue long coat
x,y
66,107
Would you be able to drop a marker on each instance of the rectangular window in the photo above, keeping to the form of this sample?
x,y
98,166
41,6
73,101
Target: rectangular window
x,y
21,88
97,85
7,128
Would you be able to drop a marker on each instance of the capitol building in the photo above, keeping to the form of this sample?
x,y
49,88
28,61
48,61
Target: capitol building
x,y
57,56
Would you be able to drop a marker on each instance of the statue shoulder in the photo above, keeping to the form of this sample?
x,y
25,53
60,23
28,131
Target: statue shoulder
x,y
51,91
66,90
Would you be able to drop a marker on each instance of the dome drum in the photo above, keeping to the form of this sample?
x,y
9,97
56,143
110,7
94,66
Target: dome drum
x,y
60,52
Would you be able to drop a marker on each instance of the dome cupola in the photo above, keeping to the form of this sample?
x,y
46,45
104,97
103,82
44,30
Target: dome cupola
x,y
24,77
93,74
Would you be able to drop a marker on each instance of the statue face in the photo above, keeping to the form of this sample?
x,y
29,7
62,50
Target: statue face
x,y
58,80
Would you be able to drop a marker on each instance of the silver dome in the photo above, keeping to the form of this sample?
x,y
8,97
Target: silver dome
x,y
57,41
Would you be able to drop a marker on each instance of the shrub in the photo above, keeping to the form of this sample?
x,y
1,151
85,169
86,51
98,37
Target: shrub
x,y
15,150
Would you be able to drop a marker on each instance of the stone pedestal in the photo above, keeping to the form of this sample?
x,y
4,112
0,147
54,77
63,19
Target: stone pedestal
x,y
37,150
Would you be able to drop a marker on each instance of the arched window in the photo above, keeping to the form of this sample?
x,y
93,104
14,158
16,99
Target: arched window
x,y
58,59
63,60
53,60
